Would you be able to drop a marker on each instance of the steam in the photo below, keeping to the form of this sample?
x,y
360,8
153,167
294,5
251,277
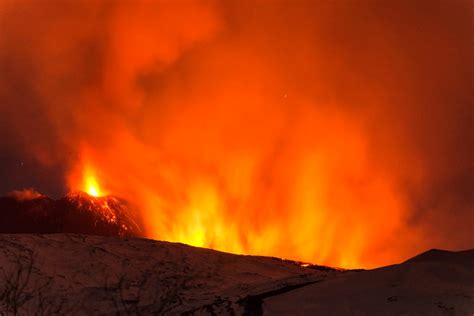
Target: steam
x,y
324,132
25,194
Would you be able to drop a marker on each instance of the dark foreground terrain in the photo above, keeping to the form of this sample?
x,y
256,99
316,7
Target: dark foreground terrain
x,y
89,275
436,282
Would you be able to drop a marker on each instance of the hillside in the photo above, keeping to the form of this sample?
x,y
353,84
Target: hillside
x,y
97,275
78,274
436,282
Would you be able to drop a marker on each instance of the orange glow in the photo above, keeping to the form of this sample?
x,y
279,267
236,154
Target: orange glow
x,y
315,205
84,178
259,128
92,187
238,167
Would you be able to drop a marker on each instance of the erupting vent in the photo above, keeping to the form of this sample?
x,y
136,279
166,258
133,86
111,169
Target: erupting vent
x,y
334,132
77,212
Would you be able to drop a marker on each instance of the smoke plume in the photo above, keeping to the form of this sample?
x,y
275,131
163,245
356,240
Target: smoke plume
x,y
333,132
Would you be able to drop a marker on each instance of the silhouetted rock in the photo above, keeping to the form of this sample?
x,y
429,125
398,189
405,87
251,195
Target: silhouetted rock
x,y
438,255
435,282
77,212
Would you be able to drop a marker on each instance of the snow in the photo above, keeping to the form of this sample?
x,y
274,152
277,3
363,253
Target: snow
x,y
97,275
100,275
434,283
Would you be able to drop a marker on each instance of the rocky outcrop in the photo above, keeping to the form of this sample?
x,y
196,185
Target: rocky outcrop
x,y
76,212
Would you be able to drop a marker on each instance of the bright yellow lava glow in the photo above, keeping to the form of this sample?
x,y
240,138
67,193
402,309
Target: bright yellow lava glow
x,y
91,186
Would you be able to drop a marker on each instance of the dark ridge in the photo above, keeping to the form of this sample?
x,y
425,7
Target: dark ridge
x,y
312,266
74,213
439,255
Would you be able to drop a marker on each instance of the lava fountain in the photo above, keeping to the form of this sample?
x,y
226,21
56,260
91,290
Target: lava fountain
x,y
266,128
91,186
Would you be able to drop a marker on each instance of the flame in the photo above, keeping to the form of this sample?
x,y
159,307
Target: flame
x,y
91,186
260,129
84,178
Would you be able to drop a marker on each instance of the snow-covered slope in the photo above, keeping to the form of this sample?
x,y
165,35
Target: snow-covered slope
x,y
434,283
93,275
77,274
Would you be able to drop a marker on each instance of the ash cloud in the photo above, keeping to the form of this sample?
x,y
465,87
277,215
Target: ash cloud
x,y
359,111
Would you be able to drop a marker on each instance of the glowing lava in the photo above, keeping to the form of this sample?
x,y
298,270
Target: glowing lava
x,y
92,187
86,180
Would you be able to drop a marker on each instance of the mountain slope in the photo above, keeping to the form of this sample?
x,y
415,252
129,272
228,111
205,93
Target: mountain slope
x,y
77,274
436,282
83,275
77,212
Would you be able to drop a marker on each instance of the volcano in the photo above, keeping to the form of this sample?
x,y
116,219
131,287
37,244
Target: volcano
x,y
77,212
